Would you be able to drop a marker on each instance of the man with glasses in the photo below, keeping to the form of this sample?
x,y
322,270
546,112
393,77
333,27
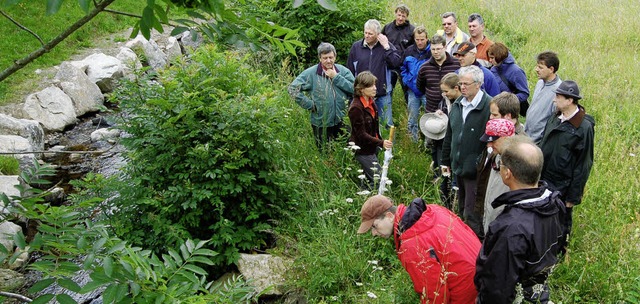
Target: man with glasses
x,y
522,244
451,32
433,245
466,54
462,146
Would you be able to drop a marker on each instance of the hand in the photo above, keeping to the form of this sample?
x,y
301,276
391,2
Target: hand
x,y
569,204
387,144
384,41
439,112
331,73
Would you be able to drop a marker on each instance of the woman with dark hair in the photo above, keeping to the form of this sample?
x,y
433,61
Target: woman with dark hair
x,y
365,130
514,80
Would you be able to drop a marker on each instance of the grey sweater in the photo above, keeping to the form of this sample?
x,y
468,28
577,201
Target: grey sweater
x,y
541,108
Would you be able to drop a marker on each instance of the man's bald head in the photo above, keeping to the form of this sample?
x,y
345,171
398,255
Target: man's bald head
x,y
524,159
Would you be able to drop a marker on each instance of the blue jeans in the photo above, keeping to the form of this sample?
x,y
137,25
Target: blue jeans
x,y
384,110
414,112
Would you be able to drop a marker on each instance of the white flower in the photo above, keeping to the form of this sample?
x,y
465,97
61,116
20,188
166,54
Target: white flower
x,y
349,200
371,295
632,154
355,148
364,192
352,143
376,175
374,262
375,163
388,182
362,176
360,170
358,284
347,149
334,298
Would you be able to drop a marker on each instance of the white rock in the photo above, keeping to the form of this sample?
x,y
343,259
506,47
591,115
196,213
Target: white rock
x,y
51,107
7,231
263,271
102,69
14,143
84,93
29,129
150,49
104,134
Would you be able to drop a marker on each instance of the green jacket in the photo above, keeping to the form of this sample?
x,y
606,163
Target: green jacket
x,y
326,98
462,146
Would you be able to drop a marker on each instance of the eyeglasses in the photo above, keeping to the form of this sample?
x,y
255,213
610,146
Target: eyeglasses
x,y
500,164
465,84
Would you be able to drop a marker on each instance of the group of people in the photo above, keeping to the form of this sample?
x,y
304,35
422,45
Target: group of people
x,y
516,183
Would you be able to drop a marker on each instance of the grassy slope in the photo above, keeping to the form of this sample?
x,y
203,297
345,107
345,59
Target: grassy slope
x,y
16,43
599,53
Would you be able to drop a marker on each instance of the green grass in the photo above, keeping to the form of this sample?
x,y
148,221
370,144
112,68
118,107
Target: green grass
x,y
9,165
17,43
597,44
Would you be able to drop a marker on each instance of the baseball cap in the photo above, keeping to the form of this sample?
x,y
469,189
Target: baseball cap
x,y
373,208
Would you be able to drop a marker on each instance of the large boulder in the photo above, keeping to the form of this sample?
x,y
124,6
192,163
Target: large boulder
x,y
103,70
151,51
51,107
264,271
169,46
84,93
190,41
29,129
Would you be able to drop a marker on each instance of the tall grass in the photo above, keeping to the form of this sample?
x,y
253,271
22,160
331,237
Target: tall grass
x,y
597,44
17,43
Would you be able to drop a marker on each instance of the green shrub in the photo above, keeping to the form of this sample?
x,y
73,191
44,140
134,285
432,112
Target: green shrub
x,y
9,165
316,24
203,156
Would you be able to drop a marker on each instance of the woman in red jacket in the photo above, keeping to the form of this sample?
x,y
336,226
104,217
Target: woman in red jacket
x,y
365,132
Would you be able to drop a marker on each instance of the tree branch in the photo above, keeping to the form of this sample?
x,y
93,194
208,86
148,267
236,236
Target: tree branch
x,y
21,63
134,16
15,296
24,28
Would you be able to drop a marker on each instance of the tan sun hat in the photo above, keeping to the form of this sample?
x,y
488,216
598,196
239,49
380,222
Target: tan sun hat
x,y
434,126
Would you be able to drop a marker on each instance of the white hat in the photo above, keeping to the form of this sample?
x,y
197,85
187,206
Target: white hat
x,y
434,126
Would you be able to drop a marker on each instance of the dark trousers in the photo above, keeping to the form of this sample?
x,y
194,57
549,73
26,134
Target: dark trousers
x,y
466,203
395,77
568,223
326,134
370,165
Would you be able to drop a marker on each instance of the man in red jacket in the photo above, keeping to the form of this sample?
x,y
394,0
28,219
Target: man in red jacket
x,y
434,246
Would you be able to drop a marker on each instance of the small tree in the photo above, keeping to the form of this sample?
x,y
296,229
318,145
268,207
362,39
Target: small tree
x,y
203,156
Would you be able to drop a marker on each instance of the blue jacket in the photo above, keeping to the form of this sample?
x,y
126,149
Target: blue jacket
x,y
513,79
491,83
377,60
413,60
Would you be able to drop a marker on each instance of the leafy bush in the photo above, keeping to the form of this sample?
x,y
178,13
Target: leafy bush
x,y
317,24
203,156
9,165
128,274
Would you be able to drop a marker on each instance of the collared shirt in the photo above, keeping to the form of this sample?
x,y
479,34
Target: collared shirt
x,y
563,119
482,48
468,106
368,104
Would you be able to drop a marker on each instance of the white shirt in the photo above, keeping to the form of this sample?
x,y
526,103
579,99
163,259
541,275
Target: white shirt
x,y
468,106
